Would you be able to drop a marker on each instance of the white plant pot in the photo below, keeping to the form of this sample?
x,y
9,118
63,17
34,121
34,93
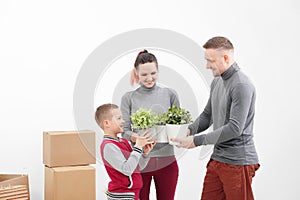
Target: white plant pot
x,y
141,131
161,134
176,131
150,130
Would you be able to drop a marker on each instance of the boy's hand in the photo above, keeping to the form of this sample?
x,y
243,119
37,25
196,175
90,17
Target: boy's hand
x,y
148,148
144,139
133,137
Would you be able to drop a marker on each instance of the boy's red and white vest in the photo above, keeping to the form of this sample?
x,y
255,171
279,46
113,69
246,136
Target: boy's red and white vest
x,y
119,182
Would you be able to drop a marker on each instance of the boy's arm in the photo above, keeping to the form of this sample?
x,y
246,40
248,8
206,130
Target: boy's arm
x,y
145,157
114,156
144,161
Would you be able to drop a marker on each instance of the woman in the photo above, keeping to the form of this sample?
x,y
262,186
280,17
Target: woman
x,y
162,166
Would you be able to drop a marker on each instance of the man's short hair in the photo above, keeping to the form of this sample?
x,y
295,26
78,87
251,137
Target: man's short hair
x,y
218,43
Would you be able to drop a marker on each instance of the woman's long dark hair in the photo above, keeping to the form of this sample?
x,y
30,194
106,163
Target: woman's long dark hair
x,y
144,57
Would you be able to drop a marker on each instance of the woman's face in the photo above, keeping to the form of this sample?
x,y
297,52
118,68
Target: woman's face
x,y
147,74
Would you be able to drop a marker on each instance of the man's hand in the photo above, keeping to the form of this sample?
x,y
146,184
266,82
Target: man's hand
x,y
187,142
188,132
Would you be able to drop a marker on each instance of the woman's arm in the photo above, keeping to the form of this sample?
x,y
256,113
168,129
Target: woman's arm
x,y
126,112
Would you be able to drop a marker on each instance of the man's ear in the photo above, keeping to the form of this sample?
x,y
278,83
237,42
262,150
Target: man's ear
x,y
226,58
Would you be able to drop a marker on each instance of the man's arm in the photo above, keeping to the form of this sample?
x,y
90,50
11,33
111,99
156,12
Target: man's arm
x,y
203,121
242,97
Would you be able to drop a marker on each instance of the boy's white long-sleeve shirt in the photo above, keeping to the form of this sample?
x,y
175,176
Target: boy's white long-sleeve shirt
x,y
114,156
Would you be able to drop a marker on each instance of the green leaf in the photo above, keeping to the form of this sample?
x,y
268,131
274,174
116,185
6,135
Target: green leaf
x,y
177,115
143,119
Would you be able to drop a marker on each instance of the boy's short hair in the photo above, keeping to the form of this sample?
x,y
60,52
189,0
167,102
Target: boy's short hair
x,y
103,112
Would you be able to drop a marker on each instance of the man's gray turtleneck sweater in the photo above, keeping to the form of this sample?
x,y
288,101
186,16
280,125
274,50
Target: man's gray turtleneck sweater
x,y
230,109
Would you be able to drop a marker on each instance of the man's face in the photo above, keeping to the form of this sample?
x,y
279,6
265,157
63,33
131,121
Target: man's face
x,y
215,61
148,73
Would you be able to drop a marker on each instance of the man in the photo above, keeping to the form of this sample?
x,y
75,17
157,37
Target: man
x,y
230,109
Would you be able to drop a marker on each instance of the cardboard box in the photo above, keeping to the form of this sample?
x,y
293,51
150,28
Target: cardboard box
x,y
76,183
14,192
14,186
69,148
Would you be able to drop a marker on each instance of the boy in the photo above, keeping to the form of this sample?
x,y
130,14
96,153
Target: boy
x,y
119,158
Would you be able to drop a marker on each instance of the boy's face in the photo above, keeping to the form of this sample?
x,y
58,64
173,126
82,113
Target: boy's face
x,y
117,122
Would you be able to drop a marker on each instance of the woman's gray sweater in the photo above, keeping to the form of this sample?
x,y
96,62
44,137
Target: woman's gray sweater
x,y
158,99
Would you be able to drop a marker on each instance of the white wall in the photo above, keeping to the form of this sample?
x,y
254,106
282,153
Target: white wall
x,y
44,44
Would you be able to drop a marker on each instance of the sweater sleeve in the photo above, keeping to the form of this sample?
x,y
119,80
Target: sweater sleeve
x,y
114,156
203,122
173,97
126,110
241,101
144,161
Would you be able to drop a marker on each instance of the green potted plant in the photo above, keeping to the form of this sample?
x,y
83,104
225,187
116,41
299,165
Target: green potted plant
x,y
177,115
142,120
177,122
160,128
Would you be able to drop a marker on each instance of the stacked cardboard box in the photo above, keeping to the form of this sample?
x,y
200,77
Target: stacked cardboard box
x,y
14,192
67,156
14,186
